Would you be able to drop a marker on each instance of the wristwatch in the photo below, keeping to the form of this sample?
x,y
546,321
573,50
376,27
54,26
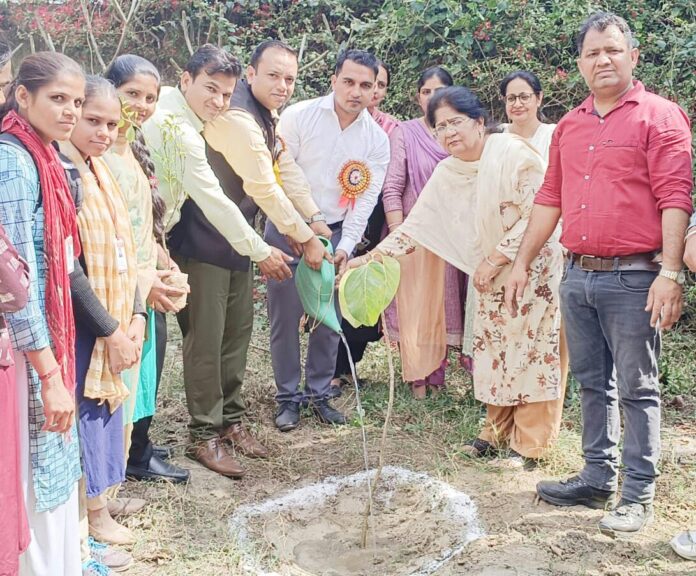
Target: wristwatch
x,y
318,217
677,276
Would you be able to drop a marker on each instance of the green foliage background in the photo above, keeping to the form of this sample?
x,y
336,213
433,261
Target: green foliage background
x,y
479,41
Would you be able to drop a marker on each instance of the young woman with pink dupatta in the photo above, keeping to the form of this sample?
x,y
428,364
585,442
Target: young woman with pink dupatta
x,y
37,211
386,122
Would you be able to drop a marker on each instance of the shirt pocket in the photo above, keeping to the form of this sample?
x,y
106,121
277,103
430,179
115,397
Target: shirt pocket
x,y
618,157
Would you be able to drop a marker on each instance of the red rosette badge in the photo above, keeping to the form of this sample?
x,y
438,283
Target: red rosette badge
x,y
354,178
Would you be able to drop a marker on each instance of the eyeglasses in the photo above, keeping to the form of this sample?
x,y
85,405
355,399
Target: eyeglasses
x,y
455,123
523,96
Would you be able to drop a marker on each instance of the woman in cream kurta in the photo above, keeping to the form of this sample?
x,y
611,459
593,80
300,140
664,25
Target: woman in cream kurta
x,y
521,91
136,190
473,213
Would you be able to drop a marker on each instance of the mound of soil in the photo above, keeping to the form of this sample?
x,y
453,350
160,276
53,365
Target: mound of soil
x,y
417,525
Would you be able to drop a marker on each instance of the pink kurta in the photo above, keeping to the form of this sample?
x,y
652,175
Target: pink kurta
x,y
386,122
14,530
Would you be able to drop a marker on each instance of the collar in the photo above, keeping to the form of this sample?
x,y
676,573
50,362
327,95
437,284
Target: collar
x,y
243,99
635,94
327,103
173,100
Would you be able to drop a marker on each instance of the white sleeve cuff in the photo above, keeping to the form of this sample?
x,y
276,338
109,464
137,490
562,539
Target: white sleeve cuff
x,y
347,245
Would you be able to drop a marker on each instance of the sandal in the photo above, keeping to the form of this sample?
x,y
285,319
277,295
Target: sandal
x,y
684,544
478,448
419,389
513,460
125,506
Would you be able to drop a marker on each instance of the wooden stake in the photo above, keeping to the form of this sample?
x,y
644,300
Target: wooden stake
x,y
383,441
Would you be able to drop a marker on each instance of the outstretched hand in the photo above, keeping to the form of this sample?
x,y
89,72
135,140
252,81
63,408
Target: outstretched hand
x,y
276,265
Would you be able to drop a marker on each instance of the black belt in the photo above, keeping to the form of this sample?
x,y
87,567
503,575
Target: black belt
x,y
644,262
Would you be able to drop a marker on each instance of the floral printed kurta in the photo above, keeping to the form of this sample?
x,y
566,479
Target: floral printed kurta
x,y
517,360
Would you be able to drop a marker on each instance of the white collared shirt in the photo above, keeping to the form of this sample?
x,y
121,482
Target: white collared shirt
x,y
314,137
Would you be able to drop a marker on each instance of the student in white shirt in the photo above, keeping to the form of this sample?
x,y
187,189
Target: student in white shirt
x,y
344,155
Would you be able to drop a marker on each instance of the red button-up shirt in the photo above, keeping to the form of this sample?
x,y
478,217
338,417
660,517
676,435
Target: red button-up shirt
x,y
612,176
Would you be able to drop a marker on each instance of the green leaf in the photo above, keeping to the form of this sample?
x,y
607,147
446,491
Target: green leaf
x,y
365,292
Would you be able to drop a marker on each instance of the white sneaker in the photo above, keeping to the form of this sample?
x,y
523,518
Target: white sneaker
x,y
684,544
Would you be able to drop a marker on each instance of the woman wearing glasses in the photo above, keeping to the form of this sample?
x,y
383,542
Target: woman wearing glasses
x,y
472,213
521,91
522,94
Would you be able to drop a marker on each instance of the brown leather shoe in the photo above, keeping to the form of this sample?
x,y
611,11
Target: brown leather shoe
x,y
212,454
243,442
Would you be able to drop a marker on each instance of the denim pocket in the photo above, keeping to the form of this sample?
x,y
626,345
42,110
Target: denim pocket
x,y
636,281
566,267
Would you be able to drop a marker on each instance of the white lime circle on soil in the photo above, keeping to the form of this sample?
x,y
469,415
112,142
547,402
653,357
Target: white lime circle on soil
x,y
419,524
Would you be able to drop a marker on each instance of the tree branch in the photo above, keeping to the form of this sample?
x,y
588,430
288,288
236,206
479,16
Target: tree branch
x,y
383,441
119,10
135,4
90,34
184,27
45,35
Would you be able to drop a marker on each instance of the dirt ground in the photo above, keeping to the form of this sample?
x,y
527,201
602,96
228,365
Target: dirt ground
x,y
184,530
416,524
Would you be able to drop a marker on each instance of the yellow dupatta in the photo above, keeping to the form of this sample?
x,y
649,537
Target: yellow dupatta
x,y
103,219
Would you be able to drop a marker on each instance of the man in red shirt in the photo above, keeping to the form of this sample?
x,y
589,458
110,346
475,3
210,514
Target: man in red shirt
x,y
620,177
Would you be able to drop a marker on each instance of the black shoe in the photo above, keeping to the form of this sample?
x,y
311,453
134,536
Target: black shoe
x,y
575,491
163,452
478,448
335,391
288,416
158,469
327,413
626,519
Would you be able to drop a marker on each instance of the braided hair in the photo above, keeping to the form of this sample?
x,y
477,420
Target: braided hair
x,y
122,70
142,155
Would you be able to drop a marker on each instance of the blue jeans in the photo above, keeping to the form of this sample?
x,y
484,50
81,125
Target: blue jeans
x,y
614,355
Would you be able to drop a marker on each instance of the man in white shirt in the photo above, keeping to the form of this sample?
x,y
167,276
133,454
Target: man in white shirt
x,y
344,155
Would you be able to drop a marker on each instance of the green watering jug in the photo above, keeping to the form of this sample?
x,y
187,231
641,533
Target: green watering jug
x,y
317,292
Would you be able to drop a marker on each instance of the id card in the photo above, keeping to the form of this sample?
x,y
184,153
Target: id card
x,y
69,255
121,260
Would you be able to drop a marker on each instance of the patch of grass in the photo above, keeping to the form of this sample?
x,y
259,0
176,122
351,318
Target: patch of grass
x,y
677,365
184,530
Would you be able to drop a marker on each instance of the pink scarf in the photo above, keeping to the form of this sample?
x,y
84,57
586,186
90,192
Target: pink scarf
x,y
60,223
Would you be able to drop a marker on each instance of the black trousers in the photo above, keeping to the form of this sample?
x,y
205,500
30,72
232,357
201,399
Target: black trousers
x,y
141,446
359,338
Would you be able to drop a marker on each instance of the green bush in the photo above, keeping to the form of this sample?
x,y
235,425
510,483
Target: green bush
x,y
479,41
